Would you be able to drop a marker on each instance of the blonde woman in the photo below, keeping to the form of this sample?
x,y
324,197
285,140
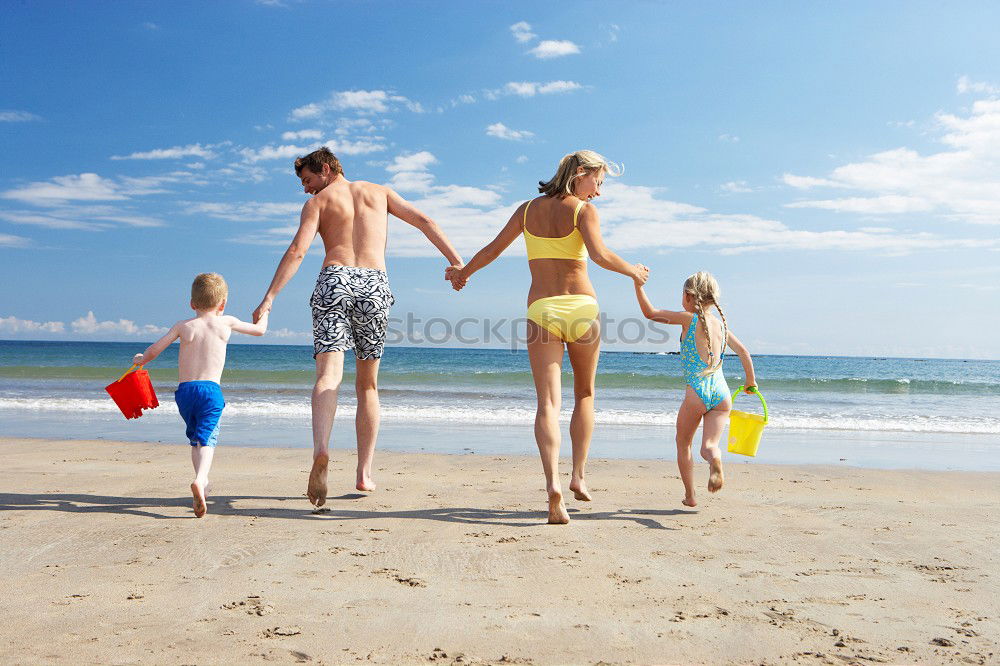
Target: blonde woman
x,y
560,228
706,397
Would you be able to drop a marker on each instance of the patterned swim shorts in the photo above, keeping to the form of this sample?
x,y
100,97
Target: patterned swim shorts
x,y
350,310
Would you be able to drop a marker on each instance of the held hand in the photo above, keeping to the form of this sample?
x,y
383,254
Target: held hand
x,y
456,276
262,309
750,388
640,274
137,359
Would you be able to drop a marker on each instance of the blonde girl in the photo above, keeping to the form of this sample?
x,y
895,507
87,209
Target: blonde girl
x,y
704,339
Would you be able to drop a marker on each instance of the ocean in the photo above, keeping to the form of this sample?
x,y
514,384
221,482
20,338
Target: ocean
x,y
880,412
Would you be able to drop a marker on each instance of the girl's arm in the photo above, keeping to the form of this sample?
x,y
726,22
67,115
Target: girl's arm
x,y
240,326
157,347
741,351
662,316
483,258
603,256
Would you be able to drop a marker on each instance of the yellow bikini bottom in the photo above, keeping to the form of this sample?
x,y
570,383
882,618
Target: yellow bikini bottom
x,y
568,317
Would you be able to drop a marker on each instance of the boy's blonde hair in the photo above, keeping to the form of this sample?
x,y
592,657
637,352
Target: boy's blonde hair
x,y
561,184
704,291
208,290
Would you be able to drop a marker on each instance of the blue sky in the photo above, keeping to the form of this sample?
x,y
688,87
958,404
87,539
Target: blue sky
x,y
837,166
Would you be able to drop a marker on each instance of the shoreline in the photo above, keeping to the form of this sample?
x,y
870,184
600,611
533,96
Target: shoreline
x,y
451,556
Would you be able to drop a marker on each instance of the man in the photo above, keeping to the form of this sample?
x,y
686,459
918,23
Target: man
x,y
350,305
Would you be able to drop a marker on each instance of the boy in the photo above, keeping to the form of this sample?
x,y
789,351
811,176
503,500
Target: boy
x,y
199,364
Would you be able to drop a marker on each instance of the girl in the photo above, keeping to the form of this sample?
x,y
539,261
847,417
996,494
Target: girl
x,y
703,342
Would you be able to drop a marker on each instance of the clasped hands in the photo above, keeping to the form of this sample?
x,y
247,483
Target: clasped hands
x,y
456,276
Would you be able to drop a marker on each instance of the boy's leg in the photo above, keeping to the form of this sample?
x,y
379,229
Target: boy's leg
x,y
583,356
367,420
201,458
329,372
715,423
688,417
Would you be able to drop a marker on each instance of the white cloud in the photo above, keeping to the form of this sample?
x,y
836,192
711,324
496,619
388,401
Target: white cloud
x,y
364,102
613,32
501,131
360,147
967,85
729,138
9,240
291,151
49,221
522,32
149,25
302,134
248,211
177,152
89,325
17,117
412,162
82,187
960,182
532,88
15,325
554,48
521,159
736,187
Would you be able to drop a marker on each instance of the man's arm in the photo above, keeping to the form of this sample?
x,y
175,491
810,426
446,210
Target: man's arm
x,y
290,262
405,211
157,347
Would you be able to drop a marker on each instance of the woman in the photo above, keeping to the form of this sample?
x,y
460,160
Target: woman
x,y
560,229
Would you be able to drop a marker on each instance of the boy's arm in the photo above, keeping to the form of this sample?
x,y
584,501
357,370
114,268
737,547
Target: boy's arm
x,y
662,316
405,211
157,347
292,259
741,351
240,326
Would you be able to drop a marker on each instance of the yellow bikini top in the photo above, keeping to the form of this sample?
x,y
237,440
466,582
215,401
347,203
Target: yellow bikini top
x,y
570,246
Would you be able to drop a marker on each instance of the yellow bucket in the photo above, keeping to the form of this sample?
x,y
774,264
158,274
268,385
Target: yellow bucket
x,y
745,428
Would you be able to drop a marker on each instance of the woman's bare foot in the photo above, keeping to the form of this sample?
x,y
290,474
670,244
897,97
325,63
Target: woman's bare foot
x,y
557,510
365,484
580,491
689,501
198,500
715,478
317,480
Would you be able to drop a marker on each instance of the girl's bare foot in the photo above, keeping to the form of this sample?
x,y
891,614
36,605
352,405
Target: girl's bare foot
x,y
317,480
198,500
580,491
715,478
557,510
689,501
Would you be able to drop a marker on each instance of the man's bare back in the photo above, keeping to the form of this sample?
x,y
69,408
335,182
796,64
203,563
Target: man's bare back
x,y
353,223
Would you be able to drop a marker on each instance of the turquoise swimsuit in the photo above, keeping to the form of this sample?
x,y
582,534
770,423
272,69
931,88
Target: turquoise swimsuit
x,y
712,389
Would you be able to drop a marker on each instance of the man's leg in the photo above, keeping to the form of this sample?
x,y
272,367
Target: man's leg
x,y
367,419
329,372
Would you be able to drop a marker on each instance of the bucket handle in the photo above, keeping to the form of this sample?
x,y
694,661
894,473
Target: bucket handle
x,y
742,389
140,367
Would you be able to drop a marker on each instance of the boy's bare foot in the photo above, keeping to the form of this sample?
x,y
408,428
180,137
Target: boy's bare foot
x,y
317,480
365,483
557,510
580,491
689,501
715,478
198,501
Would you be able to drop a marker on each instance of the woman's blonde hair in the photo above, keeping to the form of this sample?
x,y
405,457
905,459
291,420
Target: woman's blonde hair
x,y
561,184
704,291
208,290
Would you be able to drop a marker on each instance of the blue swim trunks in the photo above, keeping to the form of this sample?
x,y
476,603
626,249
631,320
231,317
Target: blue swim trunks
x,y
200,404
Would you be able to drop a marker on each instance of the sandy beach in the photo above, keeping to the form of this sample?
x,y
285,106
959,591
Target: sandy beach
x,y
450,561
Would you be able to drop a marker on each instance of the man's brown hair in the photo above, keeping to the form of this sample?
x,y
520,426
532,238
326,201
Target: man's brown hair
x,y
315,160
208,290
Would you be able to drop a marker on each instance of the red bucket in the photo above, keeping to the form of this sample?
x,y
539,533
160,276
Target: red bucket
x,y
133,392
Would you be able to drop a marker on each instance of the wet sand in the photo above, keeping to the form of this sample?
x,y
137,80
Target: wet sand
x,y
450,561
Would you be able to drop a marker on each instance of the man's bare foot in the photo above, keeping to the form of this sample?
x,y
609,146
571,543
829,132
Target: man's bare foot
x,y
715,478
365,483
689,501
580,491
317,480
198,501
557,510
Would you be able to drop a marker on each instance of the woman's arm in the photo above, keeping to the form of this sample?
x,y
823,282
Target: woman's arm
x,y
483,258
662,316
741,351
603,256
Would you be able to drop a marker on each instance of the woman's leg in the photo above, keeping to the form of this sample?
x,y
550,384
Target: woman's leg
x,y
583,356
545,352
715,422
688,417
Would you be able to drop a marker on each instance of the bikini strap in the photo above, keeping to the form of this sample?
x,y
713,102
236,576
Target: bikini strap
x,y
524,219
577,212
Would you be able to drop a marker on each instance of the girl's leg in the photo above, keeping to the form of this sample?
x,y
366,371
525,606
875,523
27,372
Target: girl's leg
x,y
583,356
201,458
546,352
715,423
688,417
